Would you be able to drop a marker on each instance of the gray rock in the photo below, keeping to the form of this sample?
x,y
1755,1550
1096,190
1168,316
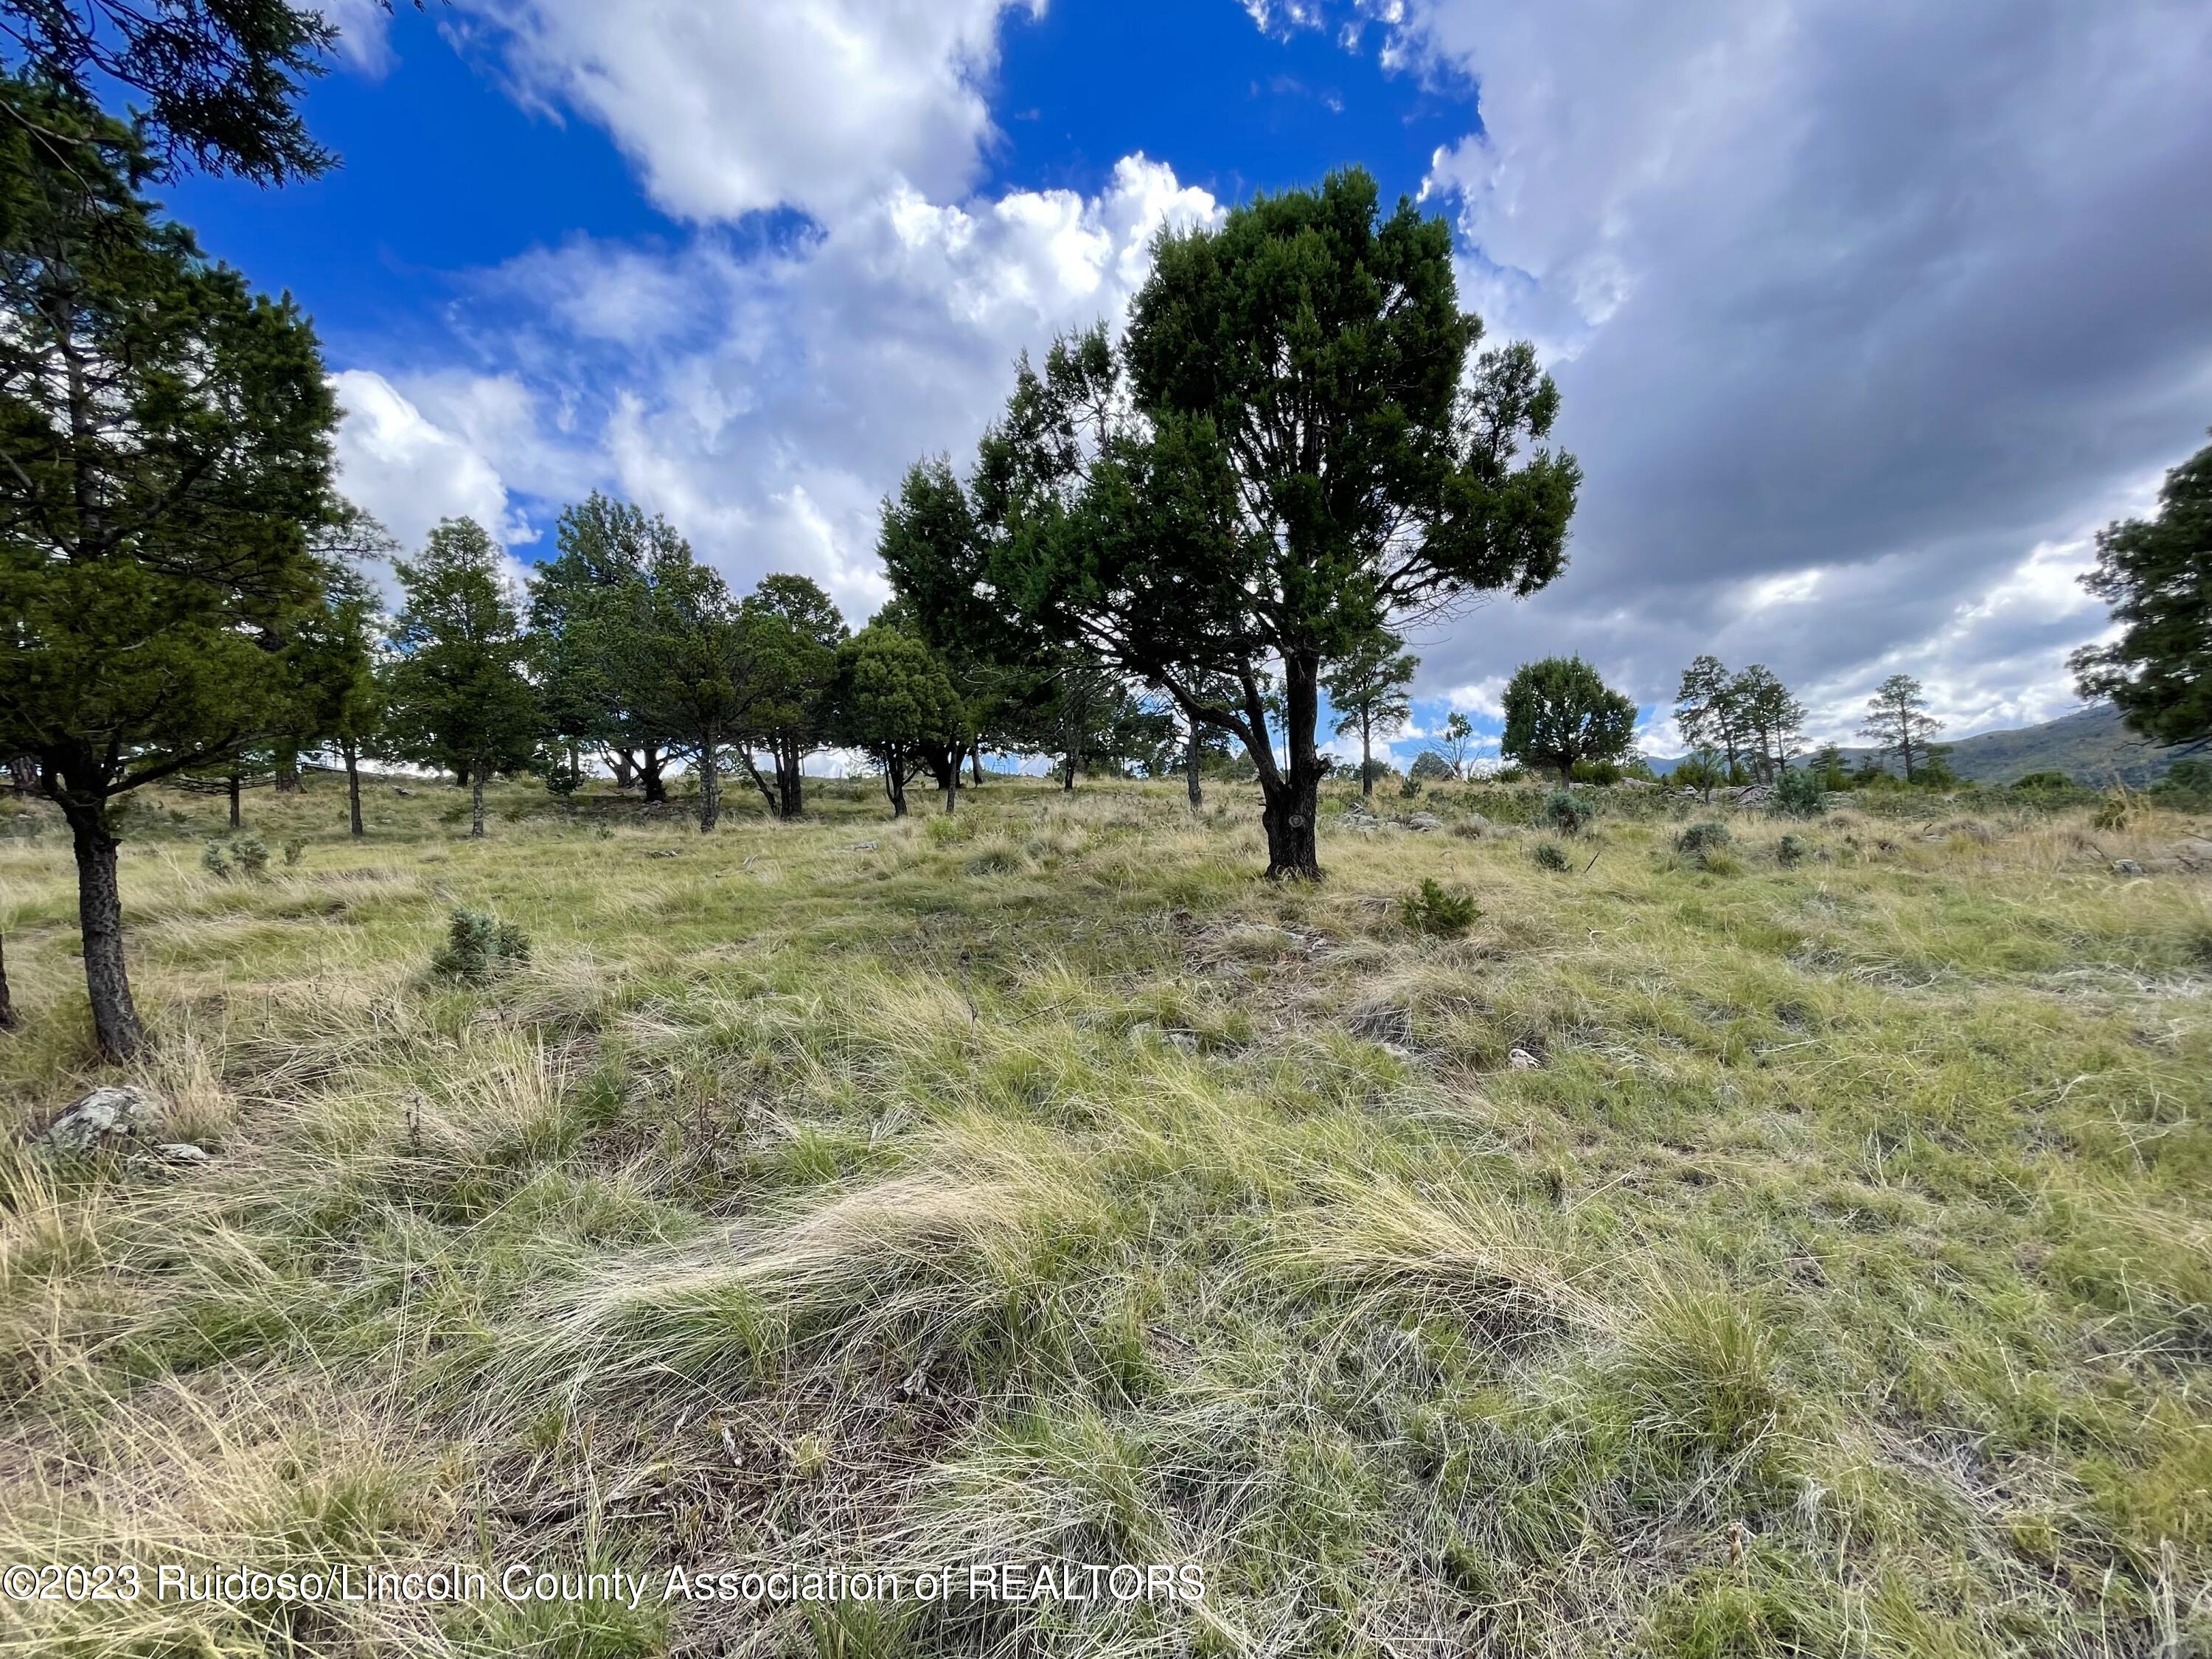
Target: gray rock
x,y
1422,823
108,1118
2192,853
2126,867
1475,826
183,1151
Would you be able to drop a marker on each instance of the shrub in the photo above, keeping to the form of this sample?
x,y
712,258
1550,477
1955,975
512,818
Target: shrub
x,y
1409,789
2186,783
1790,850
1430,767
478,946
251,853
294,849
1431,908
213,859
2035,780
1568,812
1702,838
1798,793
2114,812
1549,855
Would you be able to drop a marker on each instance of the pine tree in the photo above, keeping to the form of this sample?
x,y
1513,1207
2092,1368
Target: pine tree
x,y
1896,719
2156,573
1368,686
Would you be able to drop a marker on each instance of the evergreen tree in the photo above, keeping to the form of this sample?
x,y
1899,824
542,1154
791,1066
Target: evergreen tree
x,y
790,630
892,701
2156,573
1368,686
1896,719
1288,451
691,676
1771,721
456,693
1709,714
166,436
1558,713
1458,742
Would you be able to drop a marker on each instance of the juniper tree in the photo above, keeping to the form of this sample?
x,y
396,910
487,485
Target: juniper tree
x,y
1289,449
457,695
164,464
1558,712
892,701
790,631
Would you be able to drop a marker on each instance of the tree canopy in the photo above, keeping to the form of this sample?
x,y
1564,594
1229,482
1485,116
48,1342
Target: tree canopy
x,y
1896,719
2156,573
1369,687
1558,712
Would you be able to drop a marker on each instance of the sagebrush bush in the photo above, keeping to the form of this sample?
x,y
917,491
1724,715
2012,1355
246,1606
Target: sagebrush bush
x,y
1567,812
1433,908
478,946
1549,855
1791,849
1798,793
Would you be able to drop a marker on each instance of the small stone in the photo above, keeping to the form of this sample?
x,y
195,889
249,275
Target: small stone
x,y
1421,823
404,794
2126,867
108,1117
1521,1060
183,1151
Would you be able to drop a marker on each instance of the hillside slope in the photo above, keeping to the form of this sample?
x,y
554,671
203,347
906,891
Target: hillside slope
x,y
2091,745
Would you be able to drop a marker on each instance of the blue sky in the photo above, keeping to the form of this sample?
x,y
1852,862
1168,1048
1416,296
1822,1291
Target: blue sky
x,y
1865,316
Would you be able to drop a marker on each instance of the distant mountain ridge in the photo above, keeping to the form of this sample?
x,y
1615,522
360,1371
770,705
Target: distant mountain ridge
x,y
2091,745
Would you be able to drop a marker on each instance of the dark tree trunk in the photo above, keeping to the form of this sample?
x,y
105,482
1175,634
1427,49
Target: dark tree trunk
x,y
476,801
895,787
710,789
944,766
624,767
352,752
99,919
1366,758
768,795
1292,795
9,1018
288,771
235,788
975,764
23,772
1068,773
1190,772
649,771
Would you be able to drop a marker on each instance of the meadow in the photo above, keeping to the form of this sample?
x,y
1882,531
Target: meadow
x,y
1769,1247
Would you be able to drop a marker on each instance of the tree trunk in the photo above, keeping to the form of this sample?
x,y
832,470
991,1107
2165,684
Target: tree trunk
x,y
768,795
975,764
649,770
790,778
9,1018
23,772
235,787
352,752
1067,774
1190,770
476,802
895,787
288,770
1292,796
624,767
100,919
1366,758
710,789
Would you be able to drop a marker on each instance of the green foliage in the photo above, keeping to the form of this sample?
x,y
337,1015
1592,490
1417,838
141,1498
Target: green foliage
x,y
2186,783
1745,724
478,947
1896,719
1800,792
295,850
1549,855
458,696
891,699
2035,782
1790,850
1569,813
2156,574
1700,772
1369,687
1409,788
2116,811
1433,908
215,859
217,81
251,855
1559,712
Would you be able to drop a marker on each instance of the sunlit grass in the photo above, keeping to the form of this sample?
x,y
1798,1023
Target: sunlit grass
x,y
1768,1251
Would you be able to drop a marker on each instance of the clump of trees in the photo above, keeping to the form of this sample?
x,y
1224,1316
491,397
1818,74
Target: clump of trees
x,y
1745,727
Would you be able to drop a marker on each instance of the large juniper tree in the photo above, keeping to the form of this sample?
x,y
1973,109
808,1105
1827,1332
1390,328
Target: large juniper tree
x,y
1290,449
789,631
1558,713
165,466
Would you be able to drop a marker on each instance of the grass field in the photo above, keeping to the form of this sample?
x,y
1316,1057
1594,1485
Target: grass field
x,y
1756,1252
